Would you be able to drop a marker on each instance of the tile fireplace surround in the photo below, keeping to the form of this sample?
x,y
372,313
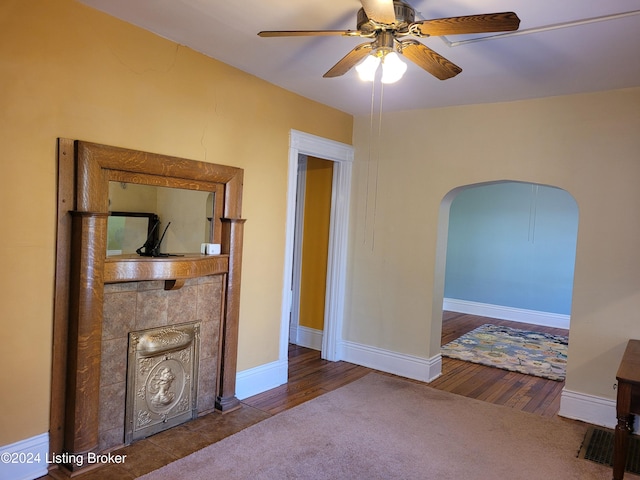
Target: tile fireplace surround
x,y
134,306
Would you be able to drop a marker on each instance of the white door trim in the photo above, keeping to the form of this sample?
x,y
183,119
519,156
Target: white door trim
x,y
301,143
294,320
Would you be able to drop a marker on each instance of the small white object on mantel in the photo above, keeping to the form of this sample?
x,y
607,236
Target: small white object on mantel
x,y
210,249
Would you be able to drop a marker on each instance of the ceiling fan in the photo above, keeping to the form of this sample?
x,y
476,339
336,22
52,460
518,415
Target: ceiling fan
x,y
386,22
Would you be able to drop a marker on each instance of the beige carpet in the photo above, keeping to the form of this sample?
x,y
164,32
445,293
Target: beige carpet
x,y
381,427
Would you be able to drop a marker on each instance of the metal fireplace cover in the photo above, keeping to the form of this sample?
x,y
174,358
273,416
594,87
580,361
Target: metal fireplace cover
x,y
162,379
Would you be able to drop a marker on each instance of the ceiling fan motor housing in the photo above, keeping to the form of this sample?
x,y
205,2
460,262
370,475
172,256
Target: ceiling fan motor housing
x,y
405,15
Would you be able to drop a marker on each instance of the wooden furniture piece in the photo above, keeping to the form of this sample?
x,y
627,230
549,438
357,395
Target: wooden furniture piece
x,y
82,268
627,404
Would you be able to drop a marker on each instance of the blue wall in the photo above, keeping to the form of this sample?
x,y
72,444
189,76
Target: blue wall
x,y
514,245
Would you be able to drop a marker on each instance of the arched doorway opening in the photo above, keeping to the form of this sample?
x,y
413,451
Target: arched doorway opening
x,y
506,250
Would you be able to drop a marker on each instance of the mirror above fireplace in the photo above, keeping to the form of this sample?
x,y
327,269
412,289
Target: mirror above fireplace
x,y
188,216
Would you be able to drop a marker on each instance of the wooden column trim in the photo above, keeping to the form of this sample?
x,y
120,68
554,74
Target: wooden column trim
x,y
88,234
66,202
232,235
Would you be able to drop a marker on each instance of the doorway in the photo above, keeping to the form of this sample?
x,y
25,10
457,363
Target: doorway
x,y
506,250
341,155
311,246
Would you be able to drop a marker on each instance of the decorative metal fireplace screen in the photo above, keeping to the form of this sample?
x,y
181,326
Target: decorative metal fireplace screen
x,y
161,379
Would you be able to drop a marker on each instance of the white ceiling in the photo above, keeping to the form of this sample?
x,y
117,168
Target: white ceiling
x,y
537,62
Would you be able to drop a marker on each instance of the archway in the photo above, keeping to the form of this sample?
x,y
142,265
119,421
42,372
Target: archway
x,y
516,260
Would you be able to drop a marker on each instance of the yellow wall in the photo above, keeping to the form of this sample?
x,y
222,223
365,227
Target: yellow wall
x,y
586,144
70,71
315,244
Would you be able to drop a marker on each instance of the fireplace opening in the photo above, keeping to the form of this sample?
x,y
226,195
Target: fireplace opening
x,y
162,379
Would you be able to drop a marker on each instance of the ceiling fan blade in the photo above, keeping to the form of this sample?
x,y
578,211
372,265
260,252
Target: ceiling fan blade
x,y
350,60
380,11
308,33
432,62
488,22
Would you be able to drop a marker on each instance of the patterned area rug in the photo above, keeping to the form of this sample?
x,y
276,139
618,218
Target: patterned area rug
x,y
540,354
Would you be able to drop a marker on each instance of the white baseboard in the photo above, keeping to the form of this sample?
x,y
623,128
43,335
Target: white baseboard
x,y
265,377
309,338
409,366
507,313
588,408
574,405
260,379
591,409
27,459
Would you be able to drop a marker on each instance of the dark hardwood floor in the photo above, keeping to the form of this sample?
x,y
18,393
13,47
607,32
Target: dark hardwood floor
x,y
512,389
310,377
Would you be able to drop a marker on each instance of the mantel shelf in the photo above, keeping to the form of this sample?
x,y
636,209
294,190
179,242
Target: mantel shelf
x,y
133,268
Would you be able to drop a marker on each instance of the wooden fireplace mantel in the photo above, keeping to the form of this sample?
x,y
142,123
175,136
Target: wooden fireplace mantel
x,y
134,268
82,269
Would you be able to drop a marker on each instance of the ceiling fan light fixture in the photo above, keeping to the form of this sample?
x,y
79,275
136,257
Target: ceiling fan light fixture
x,y
368,67
392,68
386,22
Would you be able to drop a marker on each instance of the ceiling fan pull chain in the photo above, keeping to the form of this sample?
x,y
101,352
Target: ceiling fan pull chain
x,y
377,159
369,159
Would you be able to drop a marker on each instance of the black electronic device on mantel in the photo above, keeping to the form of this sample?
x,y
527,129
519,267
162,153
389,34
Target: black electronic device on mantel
x,y
151,250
